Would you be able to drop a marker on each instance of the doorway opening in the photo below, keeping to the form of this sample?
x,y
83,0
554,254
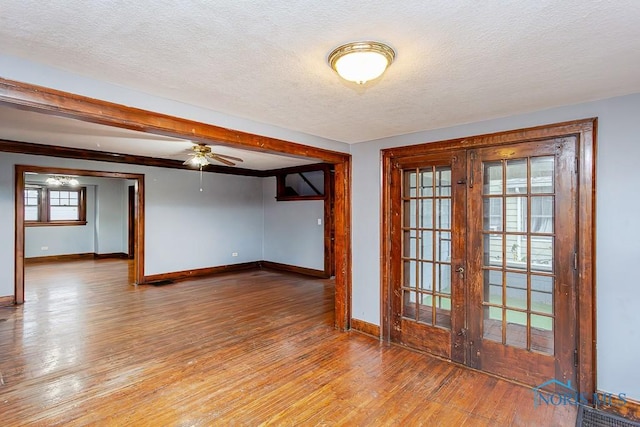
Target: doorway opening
x,y
136,219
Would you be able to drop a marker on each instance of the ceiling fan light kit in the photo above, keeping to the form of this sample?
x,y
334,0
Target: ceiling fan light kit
x,y
62,181
360,62
202,156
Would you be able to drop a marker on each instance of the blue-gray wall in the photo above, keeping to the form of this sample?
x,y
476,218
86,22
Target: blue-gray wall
x,y
618,228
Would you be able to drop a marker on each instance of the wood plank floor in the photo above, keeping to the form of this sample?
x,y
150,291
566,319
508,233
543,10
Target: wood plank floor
x,y
252,348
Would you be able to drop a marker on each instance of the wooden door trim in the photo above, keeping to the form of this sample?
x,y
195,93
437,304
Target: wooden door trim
x,y
585,130
50,101
19,217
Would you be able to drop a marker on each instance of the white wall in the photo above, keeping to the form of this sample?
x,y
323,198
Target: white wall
x,y
618,228
291,231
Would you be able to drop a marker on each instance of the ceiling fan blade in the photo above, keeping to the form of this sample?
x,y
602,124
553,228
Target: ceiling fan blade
x,y
221,160
237,159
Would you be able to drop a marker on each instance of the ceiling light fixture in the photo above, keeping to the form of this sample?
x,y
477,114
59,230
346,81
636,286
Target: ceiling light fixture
x,y
62,180
361,62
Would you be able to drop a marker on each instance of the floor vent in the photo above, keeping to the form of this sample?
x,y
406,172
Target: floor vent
x,y
589,417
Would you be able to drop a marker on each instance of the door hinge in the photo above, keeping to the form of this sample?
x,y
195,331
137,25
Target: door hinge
x,y
577,165
575,261
575,358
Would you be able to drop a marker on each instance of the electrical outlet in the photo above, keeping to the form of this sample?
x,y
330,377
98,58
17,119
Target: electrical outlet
x,y
234,254
319,221
44,248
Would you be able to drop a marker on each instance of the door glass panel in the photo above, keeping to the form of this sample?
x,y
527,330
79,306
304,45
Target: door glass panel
x,y
516,329
443,278
542,334
492,324
493,287
443,181
443,213
409,300
409,213
517,252
426,188
426,239
410,184
542,283
516,176
409,275
542,254
443,312
410,242
542,172
492,178
427,276
517,218
426,213
493,250
427,248
542,302
542,214
518,262
492,218
425,314
443,252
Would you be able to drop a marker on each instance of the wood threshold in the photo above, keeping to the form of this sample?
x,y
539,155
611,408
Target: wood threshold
x,y
50,101
294,269
365,328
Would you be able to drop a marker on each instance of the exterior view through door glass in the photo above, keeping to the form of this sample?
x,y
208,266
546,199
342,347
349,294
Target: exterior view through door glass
x,y
522,226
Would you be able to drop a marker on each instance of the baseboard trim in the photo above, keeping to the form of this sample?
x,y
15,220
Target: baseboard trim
x,y
74,257
7,301
294,269
627,408
365,327
200,272
117,255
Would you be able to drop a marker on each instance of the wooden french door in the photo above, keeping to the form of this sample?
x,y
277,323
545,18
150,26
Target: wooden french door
x,y
488,267
428,298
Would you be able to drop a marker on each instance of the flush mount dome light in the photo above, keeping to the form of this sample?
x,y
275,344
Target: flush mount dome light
x,y
360,62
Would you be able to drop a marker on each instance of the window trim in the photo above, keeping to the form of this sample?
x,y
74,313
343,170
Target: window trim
x,y
45,207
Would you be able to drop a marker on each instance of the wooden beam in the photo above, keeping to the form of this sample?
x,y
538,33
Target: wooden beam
x,y
59,103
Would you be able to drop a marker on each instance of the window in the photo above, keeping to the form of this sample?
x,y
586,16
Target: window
x,y
303,183
44,206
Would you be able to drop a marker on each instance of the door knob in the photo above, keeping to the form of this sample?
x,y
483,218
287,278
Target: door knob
x,y
460,271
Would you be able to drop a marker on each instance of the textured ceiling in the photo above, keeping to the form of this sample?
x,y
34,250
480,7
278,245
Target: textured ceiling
x,y
25,126
458,61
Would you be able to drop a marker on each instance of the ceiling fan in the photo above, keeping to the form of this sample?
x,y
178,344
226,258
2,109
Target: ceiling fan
x,y
202,156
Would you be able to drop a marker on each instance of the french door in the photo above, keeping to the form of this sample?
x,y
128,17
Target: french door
x,y
487,271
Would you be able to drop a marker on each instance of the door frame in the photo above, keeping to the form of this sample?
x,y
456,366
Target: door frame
x,y
585,131
19,217
59,103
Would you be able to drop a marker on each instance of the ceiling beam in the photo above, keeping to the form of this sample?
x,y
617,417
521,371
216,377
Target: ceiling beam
x,y
50,101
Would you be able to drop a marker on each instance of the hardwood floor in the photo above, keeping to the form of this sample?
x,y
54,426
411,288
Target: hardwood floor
x,y
250,348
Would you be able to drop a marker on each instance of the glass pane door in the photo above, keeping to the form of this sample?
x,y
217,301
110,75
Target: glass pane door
x,y
426,242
